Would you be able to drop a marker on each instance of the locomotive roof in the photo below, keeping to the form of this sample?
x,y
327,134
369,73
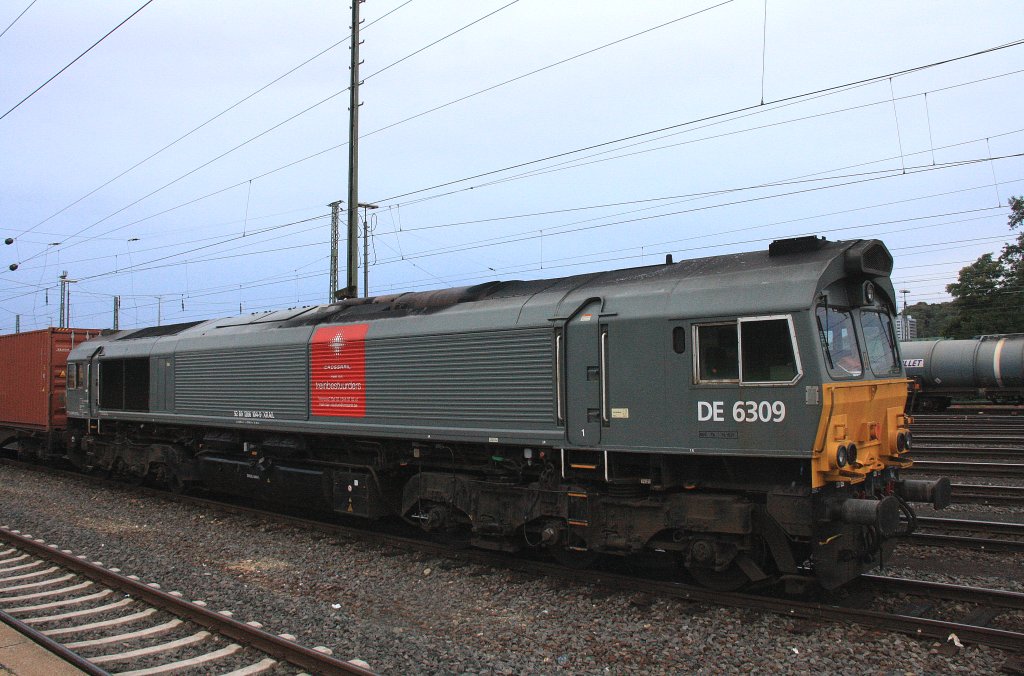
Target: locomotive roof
x,y
788,276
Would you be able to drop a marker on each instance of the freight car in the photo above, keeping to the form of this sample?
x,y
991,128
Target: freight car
x,y
742,414
32,384
988,367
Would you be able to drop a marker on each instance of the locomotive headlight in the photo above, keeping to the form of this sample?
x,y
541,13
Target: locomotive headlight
x,y
908,440
851,454
901,442
869,293
842,455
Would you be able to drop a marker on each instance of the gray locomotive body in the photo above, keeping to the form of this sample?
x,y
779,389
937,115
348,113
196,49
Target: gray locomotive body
x,y
988,367
695,408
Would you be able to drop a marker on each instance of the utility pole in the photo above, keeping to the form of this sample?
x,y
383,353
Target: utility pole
x,y
117,311
159,309
334,251
65,300
17,323
904,322
352,278
63,285
366,249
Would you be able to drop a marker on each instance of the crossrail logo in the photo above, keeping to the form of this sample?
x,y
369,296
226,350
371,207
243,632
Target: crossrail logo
x,y
337,344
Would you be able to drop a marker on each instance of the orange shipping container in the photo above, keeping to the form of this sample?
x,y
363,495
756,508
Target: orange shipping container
x,y
33,374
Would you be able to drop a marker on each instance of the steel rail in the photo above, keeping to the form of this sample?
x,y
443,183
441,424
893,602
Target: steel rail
x,y
1010,641
972,525
990,495
989,453
922,437
934,531
266,642
44,641
999,598
946,467
964,542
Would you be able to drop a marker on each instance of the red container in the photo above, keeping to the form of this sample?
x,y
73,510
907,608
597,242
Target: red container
x,y
33,373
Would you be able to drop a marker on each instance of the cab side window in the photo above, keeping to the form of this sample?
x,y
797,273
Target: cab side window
x,y
717,353
769,355
750,350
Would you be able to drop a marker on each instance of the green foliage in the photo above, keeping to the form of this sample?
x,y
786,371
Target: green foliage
x,y
989,292
933,319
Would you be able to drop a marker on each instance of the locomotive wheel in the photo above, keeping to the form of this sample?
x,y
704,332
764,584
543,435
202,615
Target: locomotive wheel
x,y
456,538
573,558
731,578
443,525
746,568
178,485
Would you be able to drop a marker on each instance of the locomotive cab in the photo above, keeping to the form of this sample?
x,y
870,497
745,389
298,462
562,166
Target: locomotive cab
x,y
863,438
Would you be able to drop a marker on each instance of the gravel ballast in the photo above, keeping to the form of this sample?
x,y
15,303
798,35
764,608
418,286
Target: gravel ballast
x,y
405,612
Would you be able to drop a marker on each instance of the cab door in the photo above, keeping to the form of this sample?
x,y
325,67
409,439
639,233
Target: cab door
x,y
584,376
93,378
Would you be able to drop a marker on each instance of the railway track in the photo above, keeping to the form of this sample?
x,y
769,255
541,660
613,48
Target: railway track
x,y
942,427
988,495
968,436
993,536
967,468
930,618
99,620
999,454
975,410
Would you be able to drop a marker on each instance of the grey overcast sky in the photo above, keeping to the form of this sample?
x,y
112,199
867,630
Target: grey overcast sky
x,y
549,138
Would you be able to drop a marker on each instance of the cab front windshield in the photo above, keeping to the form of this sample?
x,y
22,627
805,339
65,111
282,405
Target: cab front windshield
x,y
840,342
881,343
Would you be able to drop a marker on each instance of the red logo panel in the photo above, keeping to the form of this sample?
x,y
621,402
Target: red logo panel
x,y
337,366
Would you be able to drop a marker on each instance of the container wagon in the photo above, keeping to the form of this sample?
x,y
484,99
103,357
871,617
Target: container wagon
x,y
33,378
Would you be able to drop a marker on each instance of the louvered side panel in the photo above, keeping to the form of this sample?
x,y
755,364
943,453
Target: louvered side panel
x,y
493,377
269,382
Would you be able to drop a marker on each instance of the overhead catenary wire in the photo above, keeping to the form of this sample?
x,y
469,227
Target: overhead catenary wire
x,y
192,131
332,96
533,234
17,17
468,279
875,78
247,141
75,60
464,279
714,122
134,250
148,265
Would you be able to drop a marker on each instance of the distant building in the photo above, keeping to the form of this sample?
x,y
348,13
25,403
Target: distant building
x,y
906,325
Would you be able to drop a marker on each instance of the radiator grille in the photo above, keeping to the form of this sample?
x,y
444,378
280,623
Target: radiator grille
x,y
267,379
495,377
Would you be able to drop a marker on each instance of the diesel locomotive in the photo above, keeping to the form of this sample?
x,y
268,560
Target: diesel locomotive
x,y
740,414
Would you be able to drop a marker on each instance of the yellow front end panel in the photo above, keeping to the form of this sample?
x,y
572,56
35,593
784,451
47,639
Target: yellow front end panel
x,y
864,414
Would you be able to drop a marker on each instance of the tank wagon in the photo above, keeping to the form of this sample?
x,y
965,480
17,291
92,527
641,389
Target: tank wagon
x,y
988,367
743,414
32,385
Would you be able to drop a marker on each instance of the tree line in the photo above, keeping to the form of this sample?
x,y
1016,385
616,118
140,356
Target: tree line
x,y
988,293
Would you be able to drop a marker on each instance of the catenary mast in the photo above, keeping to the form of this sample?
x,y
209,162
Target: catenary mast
x,y
352,277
